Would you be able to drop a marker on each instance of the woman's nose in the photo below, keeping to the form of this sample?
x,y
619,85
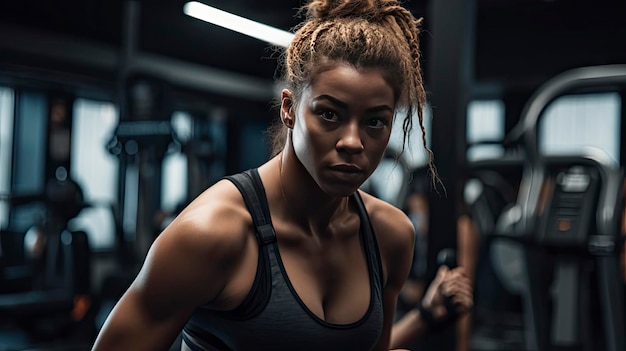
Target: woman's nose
x,y
350,139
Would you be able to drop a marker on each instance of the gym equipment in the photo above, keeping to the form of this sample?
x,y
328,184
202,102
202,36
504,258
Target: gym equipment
x,y
567,216
140,142
491,187
43,279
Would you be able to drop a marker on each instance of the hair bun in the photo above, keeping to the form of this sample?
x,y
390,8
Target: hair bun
x,y
373,10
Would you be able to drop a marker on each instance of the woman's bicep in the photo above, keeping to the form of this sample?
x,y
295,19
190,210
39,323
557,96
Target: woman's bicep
x,y
151,312
130,326
178,274
390,296
185,268
396,235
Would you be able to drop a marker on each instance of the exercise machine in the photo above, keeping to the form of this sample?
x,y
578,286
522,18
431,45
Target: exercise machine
x,y
46,271
567,216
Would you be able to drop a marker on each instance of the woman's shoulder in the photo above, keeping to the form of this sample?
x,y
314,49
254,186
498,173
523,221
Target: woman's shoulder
x,y
216,220
200,251
388,219
395,235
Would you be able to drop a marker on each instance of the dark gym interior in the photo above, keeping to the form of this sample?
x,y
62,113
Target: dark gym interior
x,y
115,114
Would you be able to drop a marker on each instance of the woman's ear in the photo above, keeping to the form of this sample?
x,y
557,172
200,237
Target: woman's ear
x,y
287,114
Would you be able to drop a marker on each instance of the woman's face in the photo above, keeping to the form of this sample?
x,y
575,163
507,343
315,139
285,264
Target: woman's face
x,y
342,125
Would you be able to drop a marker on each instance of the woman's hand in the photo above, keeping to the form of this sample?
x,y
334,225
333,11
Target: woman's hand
x,y
450,293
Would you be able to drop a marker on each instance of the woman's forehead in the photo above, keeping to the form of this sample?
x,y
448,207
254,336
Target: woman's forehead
x,y
320,69
345,82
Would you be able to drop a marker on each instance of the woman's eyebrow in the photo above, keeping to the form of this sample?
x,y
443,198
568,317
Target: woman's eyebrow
x,y
343,105
332,100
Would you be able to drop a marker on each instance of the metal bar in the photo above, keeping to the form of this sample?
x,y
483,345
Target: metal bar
x,y
99,56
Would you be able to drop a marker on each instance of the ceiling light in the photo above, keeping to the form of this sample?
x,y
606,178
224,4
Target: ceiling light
x,y
238,24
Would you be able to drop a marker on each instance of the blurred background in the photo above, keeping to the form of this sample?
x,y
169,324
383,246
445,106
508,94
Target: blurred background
x,y
115,114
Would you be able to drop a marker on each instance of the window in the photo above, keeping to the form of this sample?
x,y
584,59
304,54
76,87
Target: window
x,y
174,180
95,169
485,124
6,149
29,154
202,160
579,124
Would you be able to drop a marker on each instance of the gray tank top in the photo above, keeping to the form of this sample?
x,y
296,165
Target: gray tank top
x,y
272,316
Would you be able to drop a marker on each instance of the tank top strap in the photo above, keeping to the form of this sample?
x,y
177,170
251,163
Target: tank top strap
x,y
369,239
251,188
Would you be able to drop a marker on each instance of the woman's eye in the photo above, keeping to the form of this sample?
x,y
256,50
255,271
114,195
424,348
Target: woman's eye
x,y
329,115
377,122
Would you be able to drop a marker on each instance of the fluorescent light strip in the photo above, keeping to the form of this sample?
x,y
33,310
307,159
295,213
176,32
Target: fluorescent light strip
x,y
238,24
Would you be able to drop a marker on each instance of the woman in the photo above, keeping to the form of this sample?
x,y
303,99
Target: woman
x,y
323,268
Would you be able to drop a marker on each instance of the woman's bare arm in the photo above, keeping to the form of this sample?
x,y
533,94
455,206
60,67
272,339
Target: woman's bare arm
x,y
395,235
189,264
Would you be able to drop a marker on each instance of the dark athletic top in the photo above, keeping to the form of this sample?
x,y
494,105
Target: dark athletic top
x,y
272,316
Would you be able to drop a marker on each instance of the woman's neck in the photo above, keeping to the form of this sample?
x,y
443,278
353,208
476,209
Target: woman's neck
x,y
297,197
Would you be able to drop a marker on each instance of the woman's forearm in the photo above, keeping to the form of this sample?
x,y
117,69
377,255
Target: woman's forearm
x,y
408,328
